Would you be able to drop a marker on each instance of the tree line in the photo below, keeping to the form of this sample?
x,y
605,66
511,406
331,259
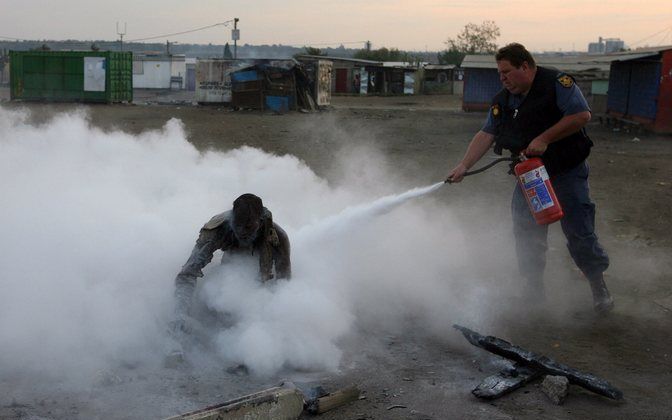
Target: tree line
x,y
473,39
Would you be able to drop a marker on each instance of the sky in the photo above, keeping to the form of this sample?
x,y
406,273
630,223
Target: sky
x,y
542,25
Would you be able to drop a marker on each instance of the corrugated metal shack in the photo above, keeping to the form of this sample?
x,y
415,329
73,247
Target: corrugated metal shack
x,y
71,76
190,82
346,73
398,78
481,79
213,81
263,84
319,73
437,79
640,87
353,76
4,67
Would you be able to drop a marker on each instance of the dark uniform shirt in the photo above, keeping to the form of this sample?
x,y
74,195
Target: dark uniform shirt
x,y
569,100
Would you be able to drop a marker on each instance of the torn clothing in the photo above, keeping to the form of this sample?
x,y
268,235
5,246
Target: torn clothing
x,y
271,244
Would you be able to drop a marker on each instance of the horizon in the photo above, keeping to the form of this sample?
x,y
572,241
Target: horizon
x,y
248,45
425,26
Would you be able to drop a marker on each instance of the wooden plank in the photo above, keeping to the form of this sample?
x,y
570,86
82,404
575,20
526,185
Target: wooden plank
x,y
271,404
333,400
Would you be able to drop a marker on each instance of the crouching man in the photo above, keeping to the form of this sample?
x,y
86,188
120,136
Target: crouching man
x,y
247,228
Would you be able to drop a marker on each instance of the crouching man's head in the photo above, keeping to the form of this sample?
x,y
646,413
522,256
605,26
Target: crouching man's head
x,y
246,222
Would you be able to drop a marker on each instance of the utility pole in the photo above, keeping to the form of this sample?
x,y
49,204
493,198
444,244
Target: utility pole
x,y
235,35
121,36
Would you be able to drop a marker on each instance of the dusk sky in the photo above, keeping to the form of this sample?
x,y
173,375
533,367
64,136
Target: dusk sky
x,y
541,25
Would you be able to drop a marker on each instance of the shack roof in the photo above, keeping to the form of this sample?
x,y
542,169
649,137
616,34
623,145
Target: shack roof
x,y
439,66
570,64
628,55
352,60
158,57
403,64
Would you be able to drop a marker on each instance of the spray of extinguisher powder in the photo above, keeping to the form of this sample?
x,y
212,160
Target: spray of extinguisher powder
x,y
538,191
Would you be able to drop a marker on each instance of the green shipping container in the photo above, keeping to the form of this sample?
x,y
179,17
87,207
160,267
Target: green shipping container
x,y
71,76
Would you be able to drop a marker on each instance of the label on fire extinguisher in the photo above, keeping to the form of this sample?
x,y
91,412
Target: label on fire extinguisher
x,y
534,184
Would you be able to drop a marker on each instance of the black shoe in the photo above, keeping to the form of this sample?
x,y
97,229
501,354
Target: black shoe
x,y
602,300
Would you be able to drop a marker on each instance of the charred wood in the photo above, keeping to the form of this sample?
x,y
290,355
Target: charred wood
x,y
541,363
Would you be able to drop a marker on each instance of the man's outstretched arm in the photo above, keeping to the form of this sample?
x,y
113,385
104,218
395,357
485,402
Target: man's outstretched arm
x,y
478,146
185,282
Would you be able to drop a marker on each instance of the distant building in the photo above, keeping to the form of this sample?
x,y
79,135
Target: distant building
x,y
438,79
613,45
190,82
159,71
353,76
640,87
71,76
481,79
4,69
606,46
596,47
277,85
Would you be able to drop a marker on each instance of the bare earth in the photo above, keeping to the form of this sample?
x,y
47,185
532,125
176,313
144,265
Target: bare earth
x,y
413,376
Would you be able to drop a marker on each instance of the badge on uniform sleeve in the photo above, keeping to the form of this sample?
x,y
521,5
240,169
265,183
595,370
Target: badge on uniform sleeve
x,y
495,110
566,81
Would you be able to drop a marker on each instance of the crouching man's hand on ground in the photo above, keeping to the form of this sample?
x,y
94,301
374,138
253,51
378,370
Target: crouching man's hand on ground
x,y
179,327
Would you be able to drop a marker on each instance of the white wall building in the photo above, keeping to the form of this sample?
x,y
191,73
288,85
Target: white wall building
x,y
159,71
606,46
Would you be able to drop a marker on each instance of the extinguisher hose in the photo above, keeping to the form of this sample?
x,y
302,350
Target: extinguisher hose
x,y
486,167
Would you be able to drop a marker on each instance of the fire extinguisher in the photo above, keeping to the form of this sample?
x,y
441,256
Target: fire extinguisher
x,y
536,185
538,191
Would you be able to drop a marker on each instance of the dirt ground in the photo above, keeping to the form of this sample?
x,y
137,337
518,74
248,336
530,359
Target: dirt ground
x,y
414,376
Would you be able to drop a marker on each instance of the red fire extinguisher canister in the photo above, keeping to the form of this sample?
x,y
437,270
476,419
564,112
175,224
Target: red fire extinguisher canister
x,y
538,191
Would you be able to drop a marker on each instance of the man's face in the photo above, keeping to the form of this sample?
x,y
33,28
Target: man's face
x,y
515,80
245,229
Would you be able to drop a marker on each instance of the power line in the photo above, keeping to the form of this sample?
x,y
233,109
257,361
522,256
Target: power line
x,y
226,23
662,41
13,39
651,36
309,44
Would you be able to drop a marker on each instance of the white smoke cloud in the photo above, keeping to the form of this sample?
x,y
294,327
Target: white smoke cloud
x,y
95,225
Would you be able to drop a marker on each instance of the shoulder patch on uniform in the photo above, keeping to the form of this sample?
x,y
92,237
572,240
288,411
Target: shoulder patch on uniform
x,y
217,220
495,110
565,80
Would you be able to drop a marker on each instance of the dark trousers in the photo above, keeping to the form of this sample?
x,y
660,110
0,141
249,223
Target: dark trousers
x,y
578,225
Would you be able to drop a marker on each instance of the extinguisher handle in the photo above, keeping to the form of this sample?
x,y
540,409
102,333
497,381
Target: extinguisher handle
x,y
486,167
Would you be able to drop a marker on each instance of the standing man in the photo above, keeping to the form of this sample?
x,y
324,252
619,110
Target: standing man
x,y
541,112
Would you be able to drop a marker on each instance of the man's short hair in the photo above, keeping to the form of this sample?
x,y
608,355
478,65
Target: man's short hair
x,y
247,207
515,54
